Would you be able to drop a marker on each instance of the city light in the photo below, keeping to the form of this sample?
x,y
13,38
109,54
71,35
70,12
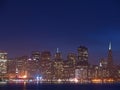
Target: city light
x,y
59,80
25,76
39,78
76,69
96,80
76,80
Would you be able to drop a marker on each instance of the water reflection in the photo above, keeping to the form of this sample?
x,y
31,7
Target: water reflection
x,y
36,86
24,86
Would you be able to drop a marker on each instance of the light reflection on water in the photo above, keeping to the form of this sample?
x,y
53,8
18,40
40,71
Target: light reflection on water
x,y
26,86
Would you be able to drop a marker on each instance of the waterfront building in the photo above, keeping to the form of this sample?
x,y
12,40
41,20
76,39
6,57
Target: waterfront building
x,y
3,64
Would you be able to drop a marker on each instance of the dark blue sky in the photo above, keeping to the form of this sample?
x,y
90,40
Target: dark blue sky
x,y
28,25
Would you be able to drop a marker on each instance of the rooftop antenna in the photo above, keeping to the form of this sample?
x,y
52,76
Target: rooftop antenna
x,y
110,46
57,50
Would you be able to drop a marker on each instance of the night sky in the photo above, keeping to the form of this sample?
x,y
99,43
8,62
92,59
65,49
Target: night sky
x,y
29,25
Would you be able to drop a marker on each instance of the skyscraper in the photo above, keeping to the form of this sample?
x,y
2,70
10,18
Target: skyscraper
x,y
45,65
82,64
83,55
3,64
71,57
21,65
110,58
58,55
110,62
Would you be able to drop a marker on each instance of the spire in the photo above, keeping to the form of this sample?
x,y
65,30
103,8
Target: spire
x,y
57,50
110,46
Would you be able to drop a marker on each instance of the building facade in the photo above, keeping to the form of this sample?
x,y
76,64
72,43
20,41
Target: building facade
x,y
3,64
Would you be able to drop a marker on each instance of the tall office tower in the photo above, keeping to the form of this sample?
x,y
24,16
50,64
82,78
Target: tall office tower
x,y
21,65
83,55
110,58
69,66
33,65
110,62
71,57
82,63
58,55
45,65
11,68
58,65
3,64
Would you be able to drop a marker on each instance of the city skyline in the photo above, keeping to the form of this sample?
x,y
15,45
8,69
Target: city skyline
x,y
46,25
41,67
64,57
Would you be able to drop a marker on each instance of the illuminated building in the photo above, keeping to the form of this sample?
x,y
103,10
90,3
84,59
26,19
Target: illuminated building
x,y
11,68
118,72
81,70
45,65
96,71
3,64
40,65
83,55
21,65
103,63
32,67
90,72
3,55
58,55
74,69
46,55
72,58
103,70
46,70
58,66
110,62
58,69
110,58
69,66
81,73
36,55
66,72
